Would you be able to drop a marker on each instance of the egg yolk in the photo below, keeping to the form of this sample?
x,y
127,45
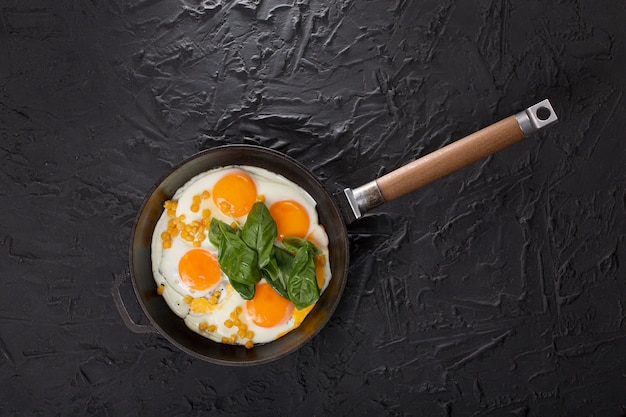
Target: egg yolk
x,y
199,269
268,308
291,218
234,194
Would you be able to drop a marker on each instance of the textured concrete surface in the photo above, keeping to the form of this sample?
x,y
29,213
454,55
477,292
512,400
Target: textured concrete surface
x,y
497,291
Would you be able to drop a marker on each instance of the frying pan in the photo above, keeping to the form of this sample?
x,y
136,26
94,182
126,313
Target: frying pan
x,y
335,213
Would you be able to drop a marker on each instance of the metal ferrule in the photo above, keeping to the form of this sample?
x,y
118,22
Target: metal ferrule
x,y
364,198
536,117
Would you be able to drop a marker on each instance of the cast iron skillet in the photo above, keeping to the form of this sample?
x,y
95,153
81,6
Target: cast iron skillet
x,y
334,213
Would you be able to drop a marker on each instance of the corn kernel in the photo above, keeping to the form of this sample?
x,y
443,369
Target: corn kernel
x,y
205,194
171,213
188,299
261,198
212,328
228,323
174,232
233,225
195,208
243,326
165,236
196,243
196,199
167,204
249,334
160,289
206,213
174,205
233,315
213,300
249,344
241,333
233,338
166,244
225,340
238,310
200,305
237,322
203,325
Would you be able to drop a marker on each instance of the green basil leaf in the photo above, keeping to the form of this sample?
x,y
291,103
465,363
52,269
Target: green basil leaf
x,y
245,290
277,271
302,286
215,233
260,232
293,243
236,259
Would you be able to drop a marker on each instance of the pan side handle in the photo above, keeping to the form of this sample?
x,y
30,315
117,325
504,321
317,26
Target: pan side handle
x,y
121,307
452,157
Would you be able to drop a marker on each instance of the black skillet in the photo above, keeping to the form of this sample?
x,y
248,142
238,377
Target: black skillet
x,y
335,212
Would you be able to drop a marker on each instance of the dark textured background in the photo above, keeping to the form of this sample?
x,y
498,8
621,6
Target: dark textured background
x,y
497,291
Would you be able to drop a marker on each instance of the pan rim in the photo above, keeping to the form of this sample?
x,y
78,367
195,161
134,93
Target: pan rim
x,y
302,170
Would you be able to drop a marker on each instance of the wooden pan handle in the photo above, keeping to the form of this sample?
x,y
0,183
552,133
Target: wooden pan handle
x,y
355,202
450,158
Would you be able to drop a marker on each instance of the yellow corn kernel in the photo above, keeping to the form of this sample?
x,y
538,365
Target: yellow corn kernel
x,y
241,333
171,213
225,340
233,338
238,310
188,299
194,208
196,243
206,221
166,244
243,326
261,198
186,236
213,300
165,236
182,217
212,328
228,323
174,232
203,325
205,194
218,294
160,289
233,225
200,305
249,344
174,205
237,322
249,334
233,315
196,199
206,213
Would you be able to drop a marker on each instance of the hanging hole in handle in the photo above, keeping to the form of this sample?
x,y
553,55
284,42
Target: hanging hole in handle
x,y
543,113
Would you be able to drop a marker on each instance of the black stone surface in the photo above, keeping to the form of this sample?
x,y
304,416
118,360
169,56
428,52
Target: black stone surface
x,y
497,291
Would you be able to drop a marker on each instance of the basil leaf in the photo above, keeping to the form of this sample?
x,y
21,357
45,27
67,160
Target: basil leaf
x,y
277,271
260,232
294,243
236,259
302,286
245,290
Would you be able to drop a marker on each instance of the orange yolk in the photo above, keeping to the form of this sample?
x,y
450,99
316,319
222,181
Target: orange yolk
x,y
199,269
234,194
291,218
268,308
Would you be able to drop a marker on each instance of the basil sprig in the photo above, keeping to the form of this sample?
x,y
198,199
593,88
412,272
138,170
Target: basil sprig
x,y
248,254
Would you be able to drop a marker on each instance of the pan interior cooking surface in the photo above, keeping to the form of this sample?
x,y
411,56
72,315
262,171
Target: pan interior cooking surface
x,y
170,325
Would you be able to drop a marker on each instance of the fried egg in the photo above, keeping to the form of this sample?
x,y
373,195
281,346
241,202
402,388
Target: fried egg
x,y
185,263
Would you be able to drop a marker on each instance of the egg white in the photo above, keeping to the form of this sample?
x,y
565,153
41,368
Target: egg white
x,y
165,261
